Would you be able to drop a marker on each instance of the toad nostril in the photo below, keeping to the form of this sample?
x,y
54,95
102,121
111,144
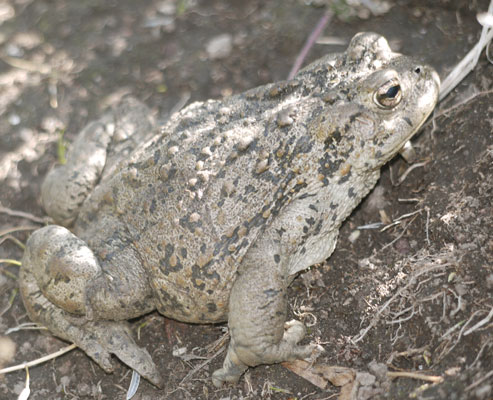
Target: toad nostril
x,y
417,70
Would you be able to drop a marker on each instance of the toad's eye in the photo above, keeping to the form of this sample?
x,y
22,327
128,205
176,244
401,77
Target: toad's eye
x,y
388,95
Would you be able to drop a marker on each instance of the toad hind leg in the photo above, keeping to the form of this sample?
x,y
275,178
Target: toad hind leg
x,y
257,315
54,254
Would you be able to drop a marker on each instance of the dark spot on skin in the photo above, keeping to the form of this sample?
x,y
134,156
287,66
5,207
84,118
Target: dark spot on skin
x,y
332,205
332,140
303,145
318,228
267,305
211,307
277,258
306,195
328,167
312,207
217,248
281,231
191,226
74,176
202,274
142,304
249,189
244,243
353,118
272,292
196,275
152,208
183,252
351,192
221,174
345,178
310,221
169,302
58,278
201,156
378,154
38,309
408,121
169,264
157,156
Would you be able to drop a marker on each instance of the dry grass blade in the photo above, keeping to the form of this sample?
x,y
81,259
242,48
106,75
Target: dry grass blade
x,y
134,385
484,321
415,375
27,65
468,62
403,177
479,381
10,261
24,394
18,229
21,214
309,43
38,361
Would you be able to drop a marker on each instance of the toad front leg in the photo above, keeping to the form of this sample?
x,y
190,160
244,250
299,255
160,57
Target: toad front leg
x,y
97,148
257,315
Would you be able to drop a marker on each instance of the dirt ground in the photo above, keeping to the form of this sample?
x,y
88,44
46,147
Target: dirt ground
x,y
416,297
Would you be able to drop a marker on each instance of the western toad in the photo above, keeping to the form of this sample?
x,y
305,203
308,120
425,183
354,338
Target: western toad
x,y
209,217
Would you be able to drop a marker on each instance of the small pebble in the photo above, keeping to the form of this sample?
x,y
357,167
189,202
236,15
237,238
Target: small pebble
x,y
14,119
219,46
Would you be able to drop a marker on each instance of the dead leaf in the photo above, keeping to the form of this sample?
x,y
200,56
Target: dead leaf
x,y
320,375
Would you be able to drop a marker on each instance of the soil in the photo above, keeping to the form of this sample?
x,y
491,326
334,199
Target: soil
x,y
415,297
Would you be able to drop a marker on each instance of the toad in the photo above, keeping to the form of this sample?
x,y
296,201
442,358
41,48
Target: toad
x,y
209,217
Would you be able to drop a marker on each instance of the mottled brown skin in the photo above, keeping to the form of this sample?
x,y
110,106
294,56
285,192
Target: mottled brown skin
x,y
209,218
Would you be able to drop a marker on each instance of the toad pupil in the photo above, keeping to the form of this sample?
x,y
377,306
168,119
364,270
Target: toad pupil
x,y
392,92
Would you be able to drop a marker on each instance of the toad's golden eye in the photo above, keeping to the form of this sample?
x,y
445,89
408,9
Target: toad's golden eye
x,y
388,95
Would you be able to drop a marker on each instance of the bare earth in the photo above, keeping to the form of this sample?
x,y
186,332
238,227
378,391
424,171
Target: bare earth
x,y
416,297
